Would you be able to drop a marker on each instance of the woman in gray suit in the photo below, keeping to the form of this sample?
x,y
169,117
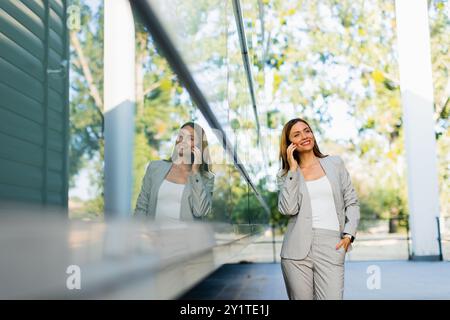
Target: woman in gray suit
x,y
180,188
316,193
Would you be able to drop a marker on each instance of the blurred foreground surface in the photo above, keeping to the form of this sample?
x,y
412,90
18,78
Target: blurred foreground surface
x,y
43,255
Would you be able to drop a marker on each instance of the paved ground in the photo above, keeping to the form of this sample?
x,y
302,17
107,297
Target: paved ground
x,y
398,280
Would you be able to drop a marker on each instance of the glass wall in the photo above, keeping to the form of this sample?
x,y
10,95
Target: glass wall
x,y
206,37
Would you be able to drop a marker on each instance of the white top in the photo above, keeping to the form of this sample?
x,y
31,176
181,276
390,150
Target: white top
x,y
324,214
168,203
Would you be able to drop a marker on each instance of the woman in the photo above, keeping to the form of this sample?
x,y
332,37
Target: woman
x,y
180,188
316,192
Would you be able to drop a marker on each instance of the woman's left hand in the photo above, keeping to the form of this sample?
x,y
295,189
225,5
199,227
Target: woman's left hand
x,y
345,242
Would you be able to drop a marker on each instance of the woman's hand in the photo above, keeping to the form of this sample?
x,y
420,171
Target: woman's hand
x,y
345,242
197,159
293,164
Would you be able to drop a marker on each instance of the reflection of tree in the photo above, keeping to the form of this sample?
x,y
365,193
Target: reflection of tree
x,y
160,110
86,106
234,201
229,188
255,213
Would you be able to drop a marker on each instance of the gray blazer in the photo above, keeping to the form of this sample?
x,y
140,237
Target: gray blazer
x,y
196,199
294,201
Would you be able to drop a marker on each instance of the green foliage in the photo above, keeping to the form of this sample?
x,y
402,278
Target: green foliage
x,y
85,116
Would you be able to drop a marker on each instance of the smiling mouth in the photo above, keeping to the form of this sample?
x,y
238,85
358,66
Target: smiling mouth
x,y
306,143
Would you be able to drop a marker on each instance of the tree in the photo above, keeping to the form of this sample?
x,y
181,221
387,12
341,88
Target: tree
x,y
86,105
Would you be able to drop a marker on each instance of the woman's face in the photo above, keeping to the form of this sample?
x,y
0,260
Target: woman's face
x,y
302,136
185,141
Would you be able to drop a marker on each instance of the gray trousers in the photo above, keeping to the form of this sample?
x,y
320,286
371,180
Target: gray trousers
x,y
320,276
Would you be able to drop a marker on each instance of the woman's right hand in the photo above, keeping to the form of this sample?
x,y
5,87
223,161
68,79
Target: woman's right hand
x,y
293,164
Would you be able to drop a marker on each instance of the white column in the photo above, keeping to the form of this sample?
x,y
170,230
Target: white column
x,y
417,100
119,100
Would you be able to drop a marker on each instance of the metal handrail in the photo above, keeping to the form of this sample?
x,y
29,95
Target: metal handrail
x,y
246,60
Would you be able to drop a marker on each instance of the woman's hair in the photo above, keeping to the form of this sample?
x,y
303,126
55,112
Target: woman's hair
x,y
200,136
285,142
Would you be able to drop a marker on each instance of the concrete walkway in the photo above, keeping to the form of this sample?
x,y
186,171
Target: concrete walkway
x,y
264,281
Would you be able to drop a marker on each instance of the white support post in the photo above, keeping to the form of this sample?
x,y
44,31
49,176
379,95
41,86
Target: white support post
x,y
417,100
119,100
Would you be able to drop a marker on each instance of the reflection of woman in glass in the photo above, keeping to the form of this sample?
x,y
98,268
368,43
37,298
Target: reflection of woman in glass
x,y
316,192
180,188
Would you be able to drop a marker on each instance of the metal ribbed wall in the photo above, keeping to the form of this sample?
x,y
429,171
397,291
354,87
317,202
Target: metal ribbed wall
x,y
33,103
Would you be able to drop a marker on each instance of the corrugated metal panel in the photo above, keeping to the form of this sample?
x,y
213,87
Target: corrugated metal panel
x,y
58,6
18,150
20,193
33,103
14,125
21,58
20,174
21,35
55,101
37,6
56,23
55,142
18,103
12,76
21,13
55,123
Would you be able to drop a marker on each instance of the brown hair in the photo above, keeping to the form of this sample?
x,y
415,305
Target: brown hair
x,y
199,132
285,142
